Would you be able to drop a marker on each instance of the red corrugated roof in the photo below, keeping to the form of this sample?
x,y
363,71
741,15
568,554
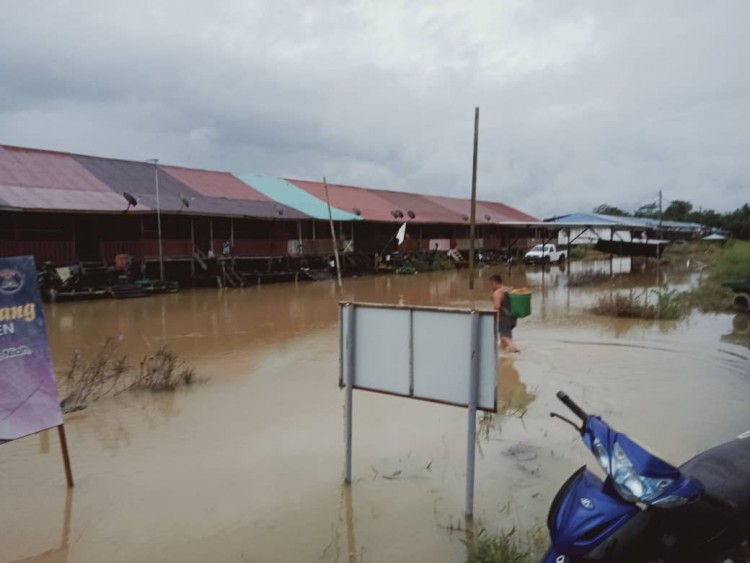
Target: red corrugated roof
x,y
463,208
427,211
376,205
348,198
498,212
43,169
215,184
507,213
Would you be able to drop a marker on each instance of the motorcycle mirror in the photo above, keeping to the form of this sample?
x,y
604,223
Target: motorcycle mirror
x,y
579,429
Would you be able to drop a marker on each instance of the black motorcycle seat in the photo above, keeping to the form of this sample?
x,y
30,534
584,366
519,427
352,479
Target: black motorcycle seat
x,y
724,471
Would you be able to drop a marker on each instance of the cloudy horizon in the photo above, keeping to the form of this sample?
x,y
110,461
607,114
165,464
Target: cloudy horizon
x,y
581,103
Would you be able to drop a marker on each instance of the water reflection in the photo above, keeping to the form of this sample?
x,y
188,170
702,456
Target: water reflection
x,y
348,504
58,554
513,395
513,399
740,330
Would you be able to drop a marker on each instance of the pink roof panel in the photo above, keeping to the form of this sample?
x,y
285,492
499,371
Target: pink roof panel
x,y
32,168
215,184
63,200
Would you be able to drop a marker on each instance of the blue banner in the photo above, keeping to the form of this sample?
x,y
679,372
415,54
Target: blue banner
x,y
29,401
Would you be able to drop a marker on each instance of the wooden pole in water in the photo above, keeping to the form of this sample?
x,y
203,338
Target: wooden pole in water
x,y
66,455
473,216
333,235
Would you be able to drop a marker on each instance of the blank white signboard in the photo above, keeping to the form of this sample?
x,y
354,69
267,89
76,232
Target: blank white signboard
x,y
381,341
442,356
419,352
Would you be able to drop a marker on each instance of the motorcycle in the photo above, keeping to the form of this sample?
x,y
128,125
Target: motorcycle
x,y
647,510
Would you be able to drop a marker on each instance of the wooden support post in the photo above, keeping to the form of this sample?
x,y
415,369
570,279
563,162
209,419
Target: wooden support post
x,y
192,248
65,454
333,235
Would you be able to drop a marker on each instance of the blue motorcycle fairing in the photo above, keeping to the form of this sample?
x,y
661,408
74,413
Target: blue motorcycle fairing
x,y
645,463
583,515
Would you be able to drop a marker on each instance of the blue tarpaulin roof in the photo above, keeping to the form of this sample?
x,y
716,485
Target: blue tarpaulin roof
x,y
297,198
632,222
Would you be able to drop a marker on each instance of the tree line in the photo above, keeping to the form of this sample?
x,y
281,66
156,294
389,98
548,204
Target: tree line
x,y
736,222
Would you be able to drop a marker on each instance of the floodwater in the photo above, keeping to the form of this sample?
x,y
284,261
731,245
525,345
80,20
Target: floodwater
x,y
248,464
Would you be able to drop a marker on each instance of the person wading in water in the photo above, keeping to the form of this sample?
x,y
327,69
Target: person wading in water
x,y
505,322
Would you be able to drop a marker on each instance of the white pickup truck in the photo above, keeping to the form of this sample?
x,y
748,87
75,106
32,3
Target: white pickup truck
x,y
543,254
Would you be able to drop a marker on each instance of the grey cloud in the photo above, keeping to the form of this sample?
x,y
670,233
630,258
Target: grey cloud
x,y
581,104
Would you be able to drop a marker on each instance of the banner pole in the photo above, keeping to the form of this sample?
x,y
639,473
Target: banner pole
x,y
472,430
65,454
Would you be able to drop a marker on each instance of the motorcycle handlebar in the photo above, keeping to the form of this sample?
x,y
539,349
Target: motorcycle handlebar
x,y
568,402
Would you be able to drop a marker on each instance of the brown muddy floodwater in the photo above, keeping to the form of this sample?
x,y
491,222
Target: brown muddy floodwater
x,y
248,465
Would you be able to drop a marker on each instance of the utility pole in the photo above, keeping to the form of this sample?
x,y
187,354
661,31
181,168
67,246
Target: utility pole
x,y
473,217
661,215
158,217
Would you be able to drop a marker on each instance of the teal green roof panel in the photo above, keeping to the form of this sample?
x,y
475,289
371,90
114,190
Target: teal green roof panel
x,y
288,194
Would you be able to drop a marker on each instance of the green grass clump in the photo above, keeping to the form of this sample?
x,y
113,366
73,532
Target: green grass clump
x,y
731,263
442,262
662,303
710,297
504,547
734,262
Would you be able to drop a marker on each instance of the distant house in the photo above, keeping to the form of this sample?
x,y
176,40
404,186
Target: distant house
x,y
591,227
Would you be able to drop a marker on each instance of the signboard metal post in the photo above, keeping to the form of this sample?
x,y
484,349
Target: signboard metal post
x,y
472,423
348,313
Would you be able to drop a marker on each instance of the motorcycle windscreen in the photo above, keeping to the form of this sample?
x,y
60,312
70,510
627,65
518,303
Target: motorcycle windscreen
x,y
637,474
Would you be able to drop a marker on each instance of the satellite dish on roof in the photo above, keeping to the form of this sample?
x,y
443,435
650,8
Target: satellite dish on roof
x,y
185,201
487,218
397,213
411,214
131,199
279,210
466,217
357,211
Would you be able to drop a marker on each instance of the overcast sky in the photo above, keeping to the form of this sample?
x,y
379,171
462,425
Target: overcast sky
x,y
582,102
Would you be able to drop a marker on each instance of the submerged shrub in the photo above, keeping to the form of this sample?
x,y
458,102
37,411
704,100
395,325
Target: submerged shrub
x,y
160,372
667,304
108,374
